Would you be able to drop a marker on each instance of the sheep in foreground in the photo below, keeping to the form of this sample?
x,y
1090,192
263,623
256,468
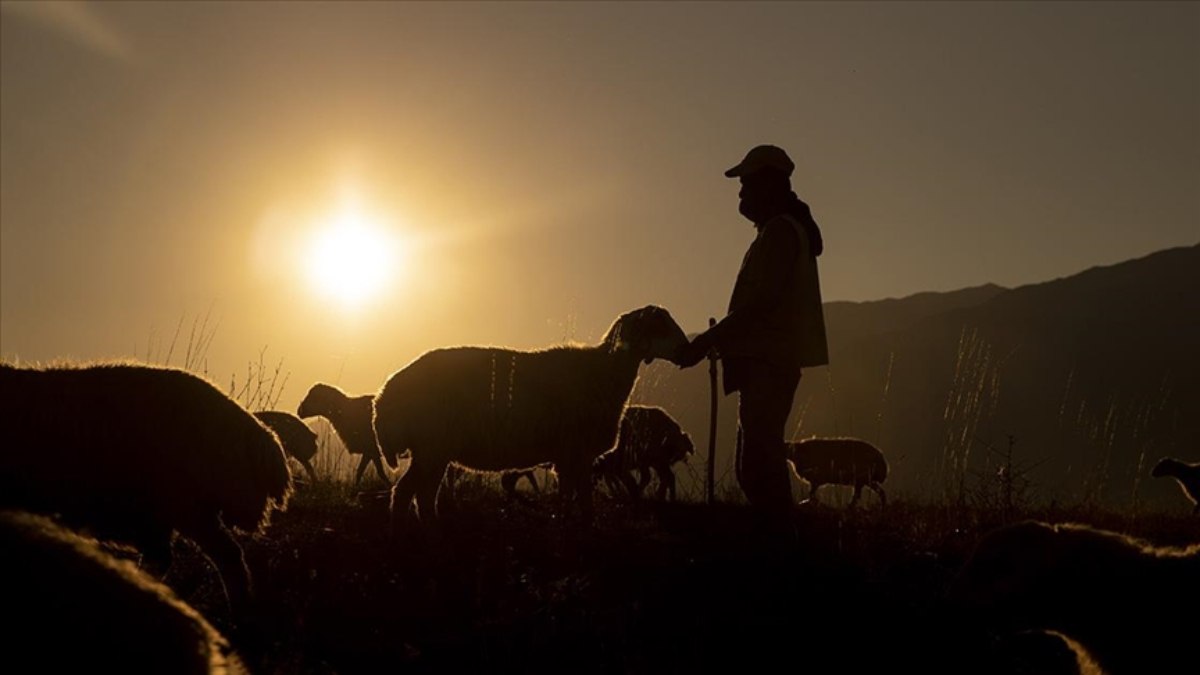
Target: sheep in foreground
x,y
1188,476
493,409
299,442
649,439
71,607
137,453
1125,602
839,461
351,419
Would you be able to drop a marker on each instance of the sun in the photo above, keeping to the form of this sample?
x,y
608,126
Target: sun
x,y
352,258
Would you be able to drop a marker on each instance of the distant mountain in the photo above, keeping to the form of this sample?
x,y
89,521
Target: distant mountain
x,y
1095,376
882,316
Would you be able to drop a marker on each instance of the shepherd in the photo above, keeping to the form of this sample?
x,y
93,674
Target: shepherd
x,y
775,325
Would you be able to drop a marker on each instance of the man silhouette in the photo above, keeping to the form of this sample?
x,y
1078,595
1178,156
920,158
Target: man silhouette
x,y
774,326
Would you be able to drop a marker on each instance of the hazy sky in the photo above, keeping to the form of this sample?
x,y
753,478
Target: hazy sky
x,y
547,166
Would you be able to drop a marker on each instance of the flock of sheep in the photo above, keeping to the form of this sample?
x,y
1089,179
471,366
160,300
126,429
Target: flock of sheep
x,y
137,454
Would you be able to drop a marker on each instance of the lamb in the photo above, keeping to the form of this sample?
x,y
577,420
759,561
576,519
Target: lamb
x,y
137,453
299,442
70,606
508,479
493,409
649,439
1188,476
839,461
351,419
1118,598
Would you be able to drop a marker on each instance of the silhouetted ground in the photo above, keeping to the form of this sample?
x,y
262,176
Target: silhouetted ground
x,y
510,587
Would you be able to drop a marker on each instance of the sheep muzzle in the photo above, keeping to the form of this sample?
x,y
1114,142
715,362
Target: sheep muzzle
x,y
650,333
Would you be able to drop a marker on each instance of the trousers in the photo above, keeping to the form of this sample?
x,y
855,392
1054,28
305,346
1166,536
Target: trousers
x,y
765,395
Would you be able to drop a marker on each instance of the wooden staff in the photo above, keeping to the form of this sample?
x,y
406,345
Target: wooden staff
x,y
710,487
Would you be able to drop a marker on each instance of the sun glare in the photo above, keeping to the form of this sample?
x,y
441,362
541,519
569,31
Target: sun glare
x,y
352,258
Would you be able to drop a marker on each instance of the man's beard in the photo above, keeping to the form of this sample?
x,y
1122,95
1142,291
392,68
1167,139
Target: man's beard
x,y
759,210
746,208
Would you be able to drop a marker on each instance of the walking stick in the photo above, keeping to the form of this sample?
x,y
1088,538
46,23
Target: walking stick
x,y
712,419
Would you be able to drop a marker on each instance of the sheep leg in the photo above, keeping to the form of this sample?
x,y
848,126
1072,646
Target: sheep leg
x,y
857,494
427,490
660,490
508,481
308,467
223,551
403,491
634,489
666,483
576,483
533,482
879,491
362,467
378,462
615,486
601,475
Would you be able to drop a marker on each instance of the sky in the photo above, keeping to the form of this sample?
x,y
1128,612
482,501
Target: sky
x,y
538,169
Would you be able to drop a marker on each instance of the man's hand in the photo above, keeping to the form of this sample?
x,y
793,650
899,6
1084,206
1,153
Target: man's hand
x,y
694,352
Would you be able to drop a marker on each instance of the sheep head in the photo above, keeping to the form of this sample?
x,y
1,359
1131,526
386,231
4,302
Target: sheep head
x,y
320,400
607,464
1165,467
648,333
686,447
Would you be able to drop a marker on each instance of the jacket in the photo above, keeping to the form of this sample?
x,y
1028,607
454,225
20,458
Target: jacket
x,y
775,312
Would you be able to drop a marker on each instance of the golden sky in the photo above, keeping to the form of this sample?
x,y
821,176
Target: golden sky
x,y
540,168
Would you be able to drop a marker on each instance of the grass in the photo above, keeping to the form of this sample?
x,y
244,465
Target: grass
x,y
512,587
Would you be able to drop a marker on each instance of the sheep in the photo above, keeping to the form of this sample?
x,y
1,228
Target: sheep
x,y
508,479
649,439
493,409
299,442
351,419
138,453
1188,476
1118,598
69,606
839,461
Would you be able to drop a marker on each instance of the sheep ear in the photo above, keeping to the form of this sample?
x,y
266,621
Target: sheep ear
x,y
620,344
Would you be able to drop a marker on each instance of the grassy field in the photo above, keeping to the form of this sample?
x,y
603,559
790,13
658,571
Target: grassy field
x,y
504,586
